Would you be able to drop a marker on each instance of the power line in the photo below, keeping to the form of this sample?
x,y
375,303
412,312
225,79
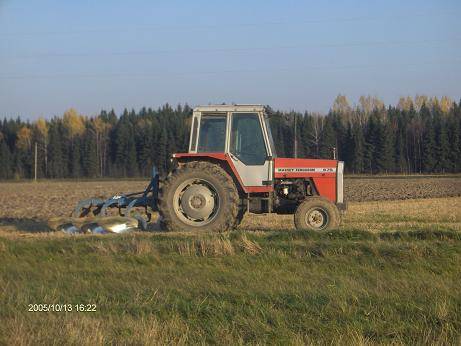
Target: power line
x,y
230,71
221,26
235,49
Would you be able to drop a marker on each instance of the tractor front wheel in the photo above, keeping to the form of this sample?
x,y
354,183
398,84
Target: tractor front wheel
x,y
199,196
318,214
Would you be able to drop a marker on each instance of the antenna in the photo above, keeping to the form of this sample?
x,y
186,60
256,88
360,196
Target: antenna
x,y
35,163
295,144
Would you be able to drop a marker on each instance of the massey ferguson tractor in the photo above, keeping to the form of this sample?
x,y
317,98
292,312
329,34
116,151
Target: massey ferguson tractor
x,y
231,169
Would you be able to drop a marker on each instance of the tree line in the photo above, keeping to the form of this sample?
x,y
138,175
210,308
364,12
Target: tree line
x,y
418,135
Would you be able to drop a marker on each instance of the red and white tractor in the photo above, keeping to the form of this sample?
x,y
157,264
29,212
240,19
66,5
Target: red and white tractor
x,y
232,168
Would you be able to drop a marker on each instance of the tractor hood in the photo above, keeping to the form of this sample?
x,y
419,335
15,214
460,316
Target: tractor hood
x,y
327,175
299,168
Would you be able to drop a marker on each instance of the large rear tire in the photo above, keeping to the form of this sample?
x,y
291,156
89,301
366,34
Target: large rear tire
x,y
317,213
199,196
241,214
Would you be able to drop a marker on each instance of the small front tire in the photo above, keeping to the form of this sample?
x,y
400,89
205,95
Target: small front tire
x,y
317,214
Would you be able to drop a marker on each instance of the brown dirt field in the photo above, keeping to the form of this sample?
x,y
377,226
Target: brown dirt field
x,y
27,206
392,188
48,198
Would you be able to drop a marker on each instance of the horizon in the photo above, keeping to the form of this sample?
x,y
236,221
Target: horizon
x,y
119,112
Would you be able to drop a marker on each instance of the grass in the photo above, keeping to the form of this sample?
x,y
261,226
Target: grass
x,y
398,215
390,275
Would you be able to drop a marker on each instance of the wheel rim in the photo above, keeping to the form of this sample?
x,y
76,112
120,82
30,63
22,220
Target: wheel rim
x,y
317,218
196,202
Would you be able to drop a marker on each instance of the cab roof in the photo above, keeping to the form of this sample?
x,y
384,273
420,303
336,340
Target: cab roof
x,y
231,108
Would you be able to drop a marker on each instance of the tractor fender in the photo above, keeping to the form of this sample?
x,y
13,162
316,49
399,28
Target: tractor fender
x,y
221,159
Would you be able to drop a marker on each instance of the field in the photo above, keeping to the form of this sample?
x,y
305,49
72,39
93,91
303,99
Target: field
x,y
390,274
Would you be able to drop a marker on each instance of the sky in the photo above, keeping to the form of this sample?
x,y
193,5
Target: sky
x,y
291,55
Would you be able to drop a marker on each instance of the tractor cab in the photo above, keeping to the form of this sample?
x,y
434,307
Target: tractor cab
x,y
239,132
231,169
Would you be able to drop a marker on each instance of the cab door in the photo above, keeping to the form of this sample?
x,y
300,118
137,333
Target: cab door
x,y
248,149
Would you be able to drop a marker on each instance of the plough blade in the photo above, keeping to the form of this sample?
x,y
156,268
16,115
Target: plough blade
x,y
94,225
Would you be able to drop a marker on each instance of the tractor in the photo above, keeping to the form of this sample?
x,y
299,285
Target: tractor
x,y
231,168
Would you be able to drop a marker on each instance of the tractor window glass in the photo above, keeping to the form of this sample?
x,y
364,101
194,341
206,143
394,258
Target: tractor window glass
x,y
193,142
212,134
269,134
247,141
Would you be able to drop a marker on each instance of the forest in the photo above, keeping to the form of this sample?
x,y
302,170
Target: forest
x,y
418,135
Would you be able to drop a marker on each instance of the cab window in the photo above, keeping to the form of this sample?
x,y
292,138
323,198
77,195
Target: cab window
x,y
247,141
193,142
212,134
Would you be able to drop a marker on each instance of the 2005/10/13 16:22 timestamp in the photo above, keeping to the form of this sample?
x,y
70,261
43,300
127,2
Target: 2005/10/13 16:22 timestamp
x,y
62,307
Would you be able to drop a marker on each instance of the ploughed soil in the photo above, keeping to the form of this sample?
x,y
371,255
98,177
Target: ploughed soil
x,y
360,189
25,202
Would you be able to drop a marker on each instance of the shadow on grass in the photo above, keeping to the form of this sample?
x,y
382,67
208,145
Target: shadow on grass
x,y
31,225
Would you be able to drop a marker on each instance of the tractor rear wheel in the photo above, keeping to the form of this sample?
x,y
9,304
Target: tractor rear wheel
x,y
199,196
318,214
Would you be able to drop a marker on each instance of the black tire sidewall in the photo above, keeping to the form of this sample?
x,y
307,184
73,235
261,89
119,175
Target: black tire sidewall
x,y
323,204
221,220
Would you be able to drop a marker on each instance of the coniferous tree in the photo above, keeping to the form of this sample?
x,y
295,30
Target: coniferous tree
x,y
413,135
358,156
400,157
90,155
286,130
131,163
276,122
455,142
339,132
303,136
384,151
23,153
144,143
328,141
75,158
42,140
349,150
371,147
442,147
57,161
161,150
428,148
417,136
124,147
5,159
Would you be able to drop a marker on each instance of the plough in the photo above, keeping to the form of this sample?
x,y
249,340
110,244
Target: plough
x,y
94,215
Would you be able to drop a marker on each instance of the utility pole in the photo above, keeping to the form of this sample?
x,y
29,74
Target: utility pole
x,y
295,141
35,163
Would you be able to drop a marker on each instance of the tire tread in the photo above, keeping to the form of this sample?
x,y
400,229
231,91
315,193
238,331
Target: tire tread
x,y
228,218
308,203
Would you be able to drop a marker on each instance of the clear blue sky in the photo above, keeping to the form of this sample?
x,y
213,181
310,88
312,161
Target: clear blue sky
x,y
290,54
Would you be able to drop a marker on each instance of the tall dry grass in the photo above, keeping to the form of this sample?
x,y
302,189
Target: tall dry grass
x,y
389,275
